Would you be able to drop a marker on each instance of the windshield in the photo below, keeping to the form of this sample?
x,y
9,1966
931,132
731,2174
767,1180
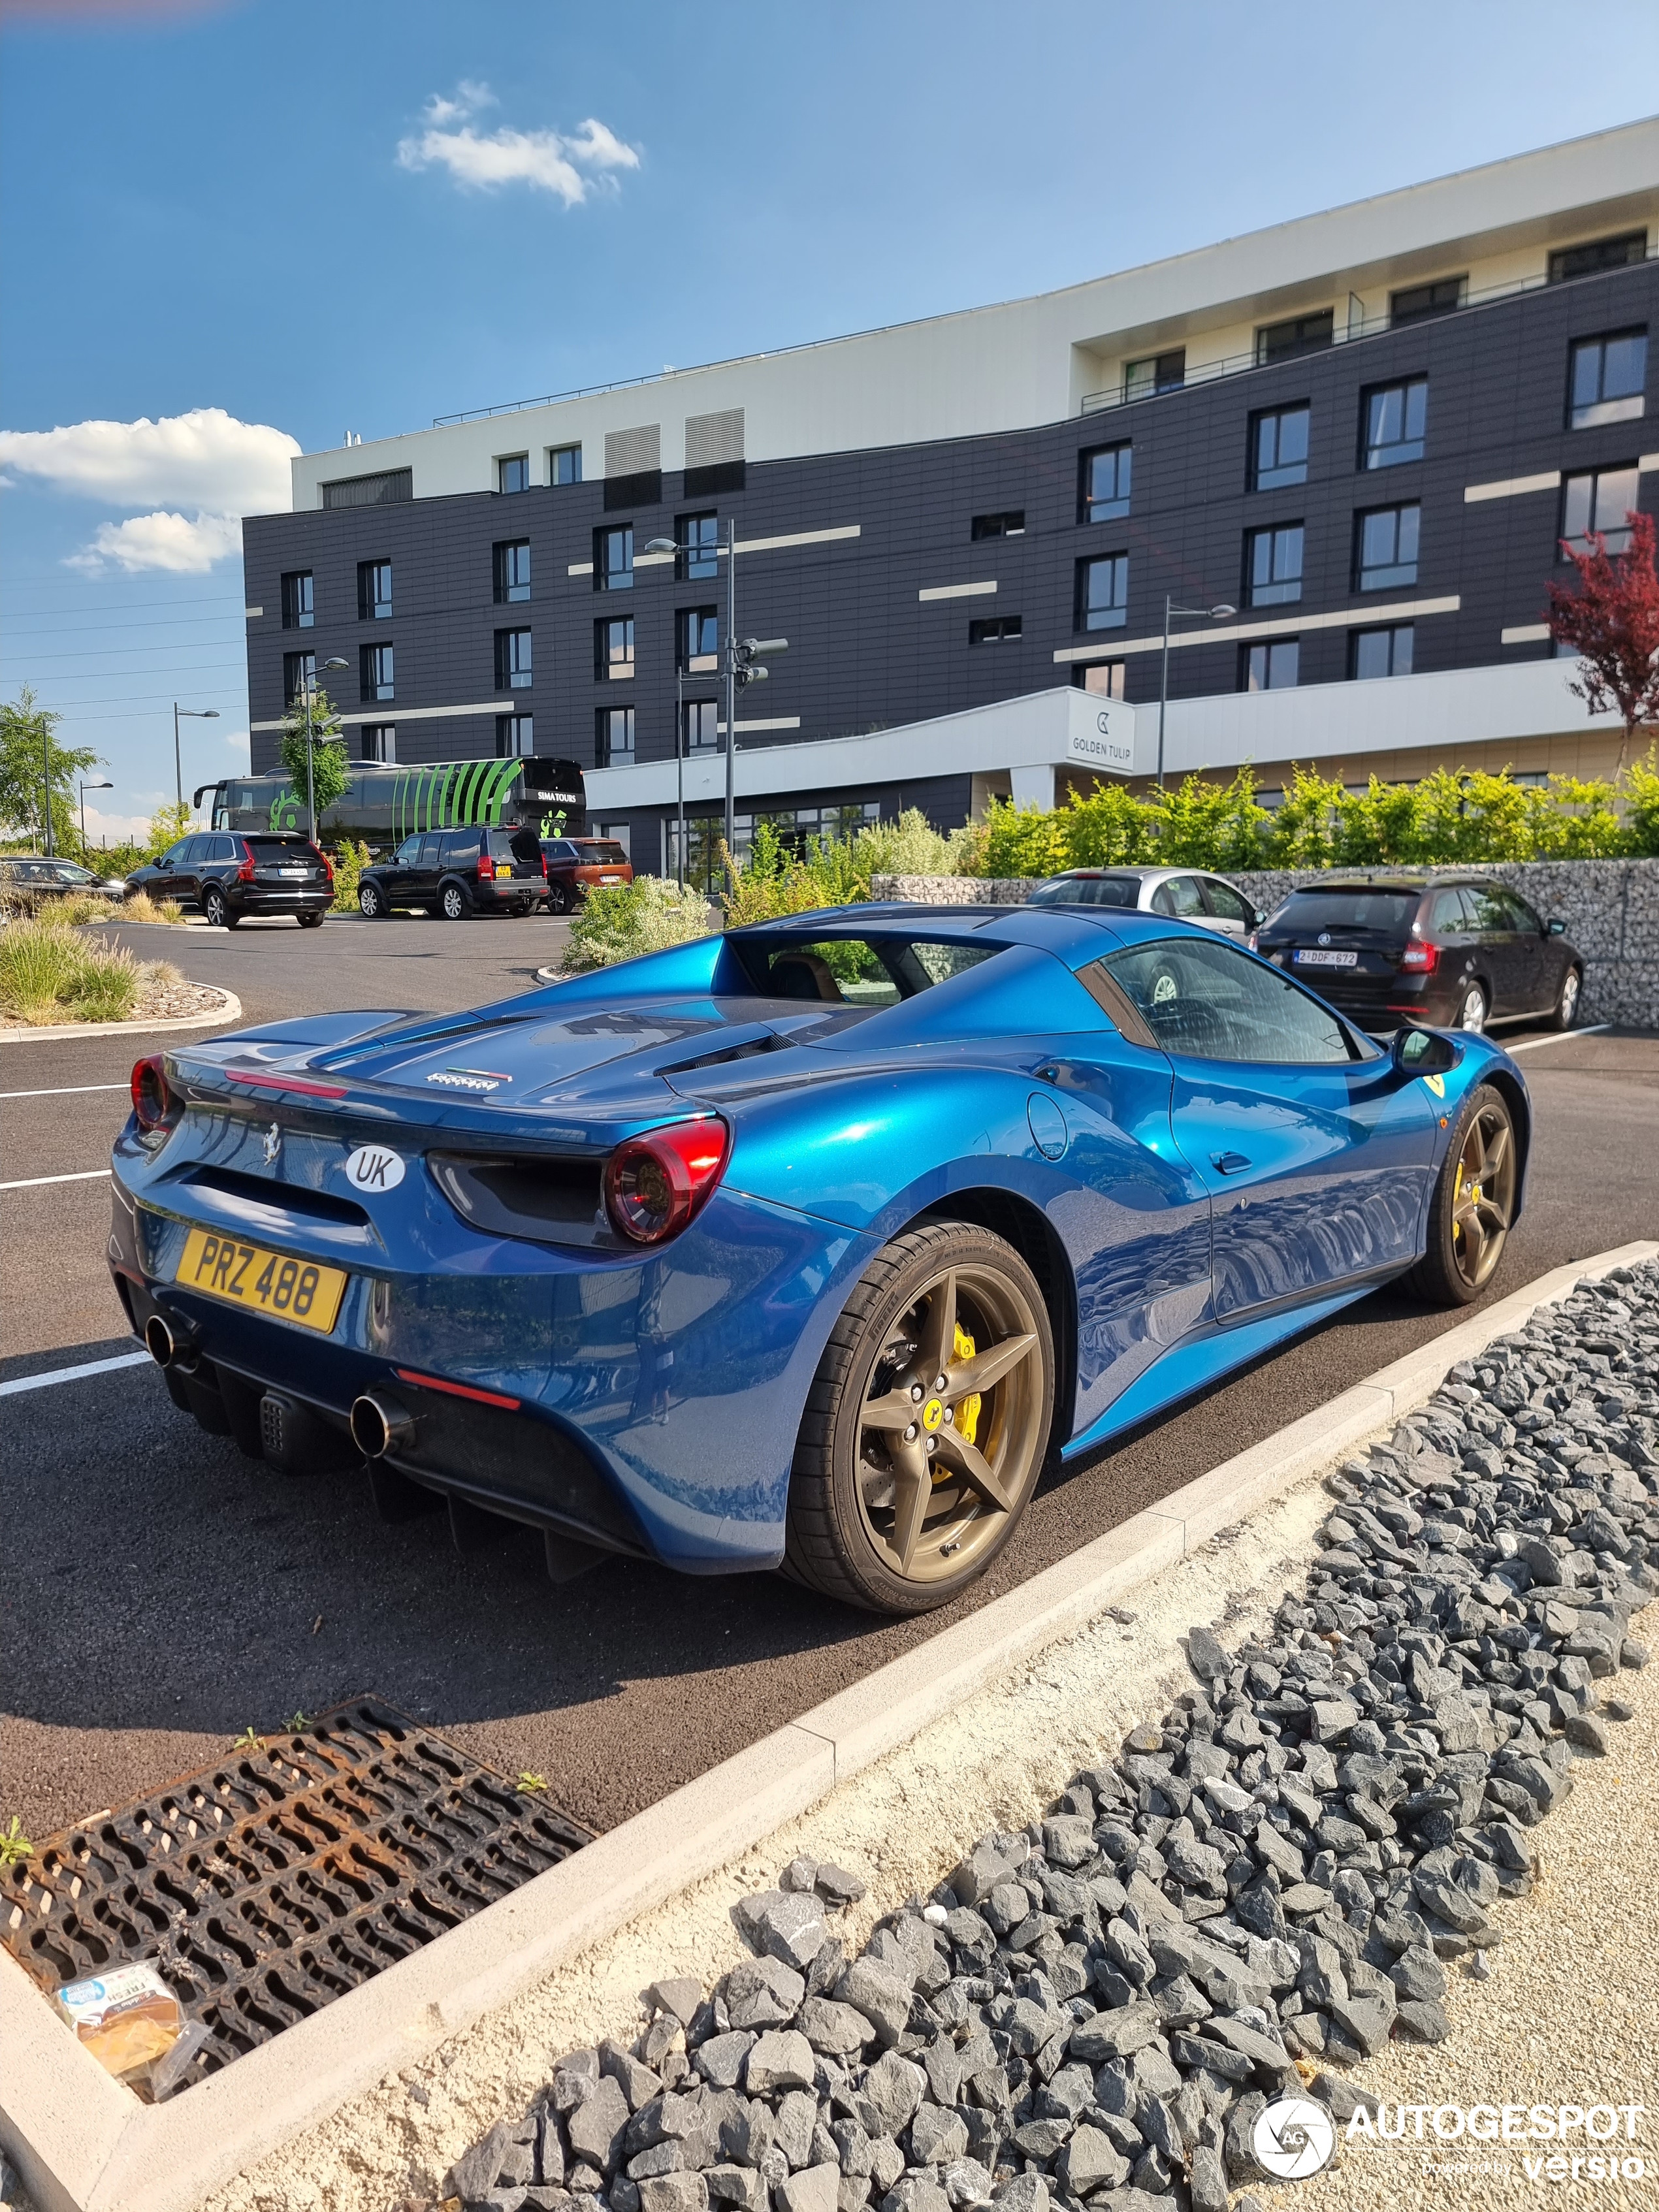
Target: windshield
x,y
857,971
1389,910
1087,891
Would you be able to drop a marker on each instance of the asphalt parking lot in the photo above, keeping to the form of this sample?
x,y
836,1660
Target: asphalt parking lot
x,y
159,1593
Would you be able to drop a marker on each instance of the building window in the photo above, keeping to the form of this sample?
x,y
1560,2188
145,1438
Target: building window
x,y
613,559
381,742
515,737
1010,525
1103,482
1598,500
512,571
613,649
1382,651
514,669
1298,334
1395,416
299,601
1161,372
699,538
1105,679
700,725
564,465
994,629
1608,376
374,668
1272,565
1385,548
298,670
1419,302
513,472
1103,592
374,590
1273,666
1590,260
699,642
1278,448
613,737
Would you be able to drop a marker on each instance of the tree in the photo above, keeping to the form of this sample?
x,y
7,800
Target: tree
x,y
1611,620
31,759
328,751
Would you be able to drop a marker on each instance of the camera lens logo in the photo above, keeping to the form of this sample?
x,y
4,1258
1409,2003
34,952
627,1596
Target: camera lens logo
x,y
1293,2138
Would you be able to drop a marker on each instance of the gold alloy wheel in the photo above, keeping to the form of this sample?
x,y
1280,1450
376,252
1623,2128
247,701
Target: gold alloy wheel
x,y
1483,1204
949,1439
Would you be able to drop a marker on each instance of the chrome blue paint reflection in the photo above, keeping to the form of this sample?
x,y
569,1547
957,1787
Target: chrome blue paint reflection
x,y
1189,1211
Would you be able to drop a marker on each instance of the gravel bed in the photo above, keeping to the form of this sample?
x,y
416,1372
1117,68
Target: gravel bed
x,y
1260,1894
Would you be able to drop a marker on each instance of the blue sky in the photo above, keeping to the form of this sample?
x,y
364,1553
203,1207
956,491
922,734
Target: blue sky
x,y
206,207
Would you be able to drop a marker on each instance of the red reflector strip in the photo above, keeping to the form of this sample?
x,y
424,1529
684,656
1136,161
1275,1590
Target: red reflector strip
x,y
295,1083
458,1389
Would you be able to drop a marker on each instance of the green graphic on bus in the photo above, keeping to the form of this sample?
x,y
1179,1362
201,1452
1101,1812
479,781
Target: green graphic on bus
x,y
383,805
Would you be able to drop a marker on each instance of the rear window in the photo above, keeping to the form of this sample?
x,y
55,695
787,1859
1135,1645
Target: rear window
x,y
276,844
1087,891
598,852
558,848
858,971
1389,911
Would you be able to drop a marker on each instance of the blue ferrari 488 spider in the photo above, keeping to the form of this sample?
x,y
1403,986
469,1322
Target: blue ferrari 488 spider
x,y
803,1246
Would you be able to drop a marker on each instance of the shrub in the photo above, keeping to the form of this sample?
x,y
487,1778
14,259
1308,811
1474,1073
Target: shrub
x,y
1642,822
49,971
140,907
621,921
349,861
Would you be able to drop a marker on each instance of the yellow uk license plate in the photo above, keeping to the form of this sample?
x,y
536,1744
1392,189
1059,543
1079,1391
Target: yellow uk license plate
x,y
243,1274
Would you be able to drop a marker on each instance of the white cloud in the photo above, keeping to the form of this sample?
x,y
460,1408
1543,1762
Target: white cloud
x,y
205,458
550,160
117,828
184,546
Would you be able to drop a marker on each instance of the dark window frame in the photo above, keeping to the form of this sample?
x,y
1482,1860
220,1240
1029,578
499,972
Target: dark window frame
x,y
510,589
1418,303
1387,575
507,729
605,753
294,671
693,624
1593,256
994,629
1116,610
1295,336
1280,476
1092,508
376,672
1393,632
698,563
1268,592
1590,415
370,607
605,669
1619,530
556,454
507,465
1168,374
1392,455
515,658
698,713
1266,648
299,598
606,579
1010,522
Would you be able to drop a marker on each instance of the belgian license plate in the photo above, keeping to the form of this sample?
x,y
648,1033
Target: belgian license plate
x,y
243,1274
1327,959
610,879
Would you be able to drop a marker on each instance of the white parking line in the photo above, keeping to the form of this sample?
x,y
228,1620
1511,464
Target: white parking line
x,y
56,1374
34,1182
1566,1037
67,1091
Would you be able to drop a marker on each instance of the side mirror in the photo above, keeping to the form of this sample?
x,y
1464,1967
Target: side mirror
x,y
1555,927
1424,1052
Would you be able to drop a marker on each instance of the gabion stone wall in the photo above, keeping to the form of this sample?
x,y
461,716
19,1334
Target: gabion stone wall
x,y
1611,908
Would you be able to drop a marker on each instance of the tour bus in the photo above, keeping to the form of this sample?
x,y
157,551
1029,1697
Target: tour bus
x,y
383,805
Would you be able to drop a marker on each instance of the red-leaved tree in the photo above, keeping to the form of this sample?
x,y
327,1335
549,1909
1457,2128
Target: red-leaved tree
x,y
1611,620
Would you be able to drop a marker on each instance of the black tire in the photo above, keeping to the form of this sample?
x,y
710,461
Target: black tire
x,y
1454,1271
310,921
838,1541
215,911
1473,1007
1568,999
558,899
371,902
452,904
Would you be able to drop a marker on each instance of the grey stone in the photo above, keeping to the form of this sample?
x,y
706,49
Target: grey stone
x,y
1422,2018
1208,1655
792,1929
680,1995
721,2059
880,1994
812,2190
891,2091
839,2029
837,1886
736,2185
800,1874
763,1993
782,2059
915,2193
1632,1653
475,2171
674,2193
574,2079
938,2138
595,2127
966,2182
1092,2160
1115,2034
798,2122
1024,2193
979,1874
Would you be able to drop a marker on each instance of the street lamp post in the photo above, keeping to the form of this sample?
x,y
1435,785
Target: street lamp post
x,y
308,681
90,783
1210,614
195,714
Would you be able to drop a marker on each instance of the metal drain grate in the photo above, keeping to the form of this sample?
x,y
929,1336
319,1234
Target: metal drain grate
x,y
265,1886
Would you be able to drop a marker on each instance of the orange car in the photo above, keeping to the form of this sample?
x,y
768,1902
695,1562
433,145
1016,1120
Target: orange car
x,y
576,865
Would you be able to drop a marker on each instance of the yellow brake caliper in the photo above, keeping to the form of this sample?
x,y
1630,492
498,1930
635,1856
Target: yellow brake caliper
x,y
967,1422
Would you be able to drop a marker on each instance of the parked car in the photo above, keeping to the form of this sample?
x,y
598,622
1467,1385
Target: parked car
x,y
798,1245
453,873
230,875
1184,894
42,876
576,865
1443,951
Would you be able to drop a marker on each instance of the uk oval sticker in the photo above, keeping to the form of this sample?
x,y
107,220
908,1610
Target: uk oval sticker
x,y
372,1167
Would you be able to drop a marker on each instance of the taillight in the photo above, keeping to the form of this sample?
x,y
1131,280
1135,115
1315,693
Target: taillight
x,y
1421,958
328,864
654,1184
1252,941
245,874
486,868
153,1099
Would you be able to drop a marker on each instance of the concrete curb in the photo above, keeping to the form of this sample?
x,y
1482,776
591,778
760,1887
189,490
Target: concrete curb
x,y
230,1010
84,2144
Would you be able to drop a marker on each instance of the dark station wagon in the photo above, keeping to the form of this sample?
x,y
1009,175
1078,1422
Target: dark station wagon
x,y
1430,951
230,874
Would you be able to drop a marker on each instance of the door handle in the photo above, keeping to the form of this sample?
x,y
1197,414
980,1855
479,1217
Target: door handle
x,y
1229,1163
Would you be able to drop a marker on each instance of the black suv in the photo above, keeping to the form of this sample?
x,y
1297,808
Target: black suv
x,y
232,874
1430,951
457,872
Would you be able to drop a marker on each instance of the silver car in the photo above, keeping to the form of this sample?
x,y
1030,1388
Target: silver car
x,y
1188,894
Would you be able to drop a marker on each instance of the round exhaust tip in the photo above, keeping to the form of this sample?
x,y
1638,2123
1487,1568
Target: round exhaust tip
x,y
159,1341
378,1424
